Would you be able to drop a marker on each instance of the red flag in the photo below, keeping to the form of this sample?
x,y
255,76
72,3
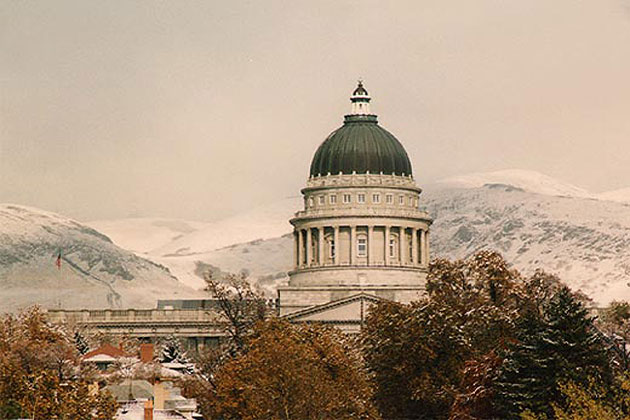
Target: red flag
x,y
58,262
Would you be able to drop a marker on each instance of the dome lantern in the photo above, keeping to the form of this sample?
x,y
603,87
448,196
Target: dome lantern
x,y
360,100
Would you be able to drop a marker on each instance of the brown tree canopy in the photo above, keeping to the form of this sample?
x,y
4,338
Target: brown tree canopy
x,y
40,373
292,372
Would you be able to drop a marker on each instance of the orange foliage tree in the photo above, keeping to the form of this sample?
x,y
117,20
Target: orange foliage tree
x,y
292,372
40,373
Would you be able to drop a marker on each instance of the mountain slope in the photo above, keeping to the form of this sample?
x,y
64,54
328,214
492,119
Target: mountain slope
x,y
585,241
94,272
527,180
143,235
264,222
534,220
620,196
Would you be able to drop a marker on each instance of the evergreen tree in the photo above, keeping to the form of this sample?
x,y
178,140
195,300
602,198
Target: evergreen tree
x,y
81,343
526,376
572,336
172,352
561,345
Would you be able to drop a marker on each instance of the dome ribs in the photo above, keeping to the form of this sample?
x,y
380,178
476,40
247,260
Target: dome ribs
x,y
359,146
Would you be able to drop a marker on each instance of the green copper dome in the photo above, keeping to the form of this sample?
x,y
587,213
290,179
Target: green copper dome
x,y
360,146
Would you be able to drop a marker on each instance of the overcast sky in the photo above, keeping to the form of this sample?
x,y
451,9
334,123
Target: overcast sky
x,y
195,109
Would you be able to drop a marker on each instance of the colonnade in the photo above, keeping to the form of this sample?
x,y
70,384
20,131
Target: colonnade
x,y
361,245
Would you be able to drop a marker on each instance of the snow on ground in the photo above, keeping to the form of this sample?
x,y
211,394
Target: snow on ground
x,y
94,272
264,222
541,223
620,196
190,248
142,235
527,180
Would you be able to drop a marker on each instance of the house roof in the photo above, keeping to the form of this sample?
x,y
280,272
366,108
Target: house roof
x,y
105,349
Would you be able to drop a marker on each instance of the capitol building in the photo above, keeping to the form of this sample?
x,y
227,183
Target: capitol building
x,y
361,236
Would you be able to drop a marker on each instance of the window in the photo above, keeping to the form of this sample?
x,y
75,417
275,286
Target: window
x,y
361,198
331,248
411,201
392,247
333,199
347,198
322,199
401,200
310,202
361,246
389,199
376,198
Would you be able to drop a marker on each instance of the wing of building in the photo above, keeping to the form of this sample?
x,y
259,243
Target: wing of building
x,y
361,235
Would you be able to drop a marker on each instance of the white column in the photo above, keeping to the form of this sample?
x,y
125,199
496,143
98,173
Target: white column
x,y
309,246
401,244
427,256
300,247
353,245
414,246
370,258
296,249
387,245
423,245
336,239
320,242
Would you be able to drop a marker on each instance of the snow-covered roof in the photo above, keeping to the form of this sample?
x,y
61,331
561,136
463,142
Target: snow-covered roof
x,y
135,411
100,358
105,349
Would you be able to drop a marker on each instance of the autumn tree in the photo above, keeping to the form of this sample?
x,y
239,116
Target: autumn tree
x,y
426,357
292,372
40,373
239,303
239,307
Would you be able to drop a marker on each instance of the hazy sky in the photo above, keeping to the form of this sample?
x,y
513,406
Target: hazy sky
x,y
194,109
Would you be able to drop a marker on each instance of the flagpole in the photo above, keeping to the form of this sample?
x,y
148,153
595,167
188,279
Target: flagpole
x,y
59,280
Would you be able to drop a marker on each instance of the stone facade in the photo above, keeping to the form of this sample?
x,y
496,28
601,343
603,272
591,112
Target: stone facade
x,y
359,233
197,328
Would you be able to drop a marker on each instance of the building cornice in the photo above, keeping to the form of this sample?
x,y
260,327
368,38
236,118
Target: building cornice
x,y
361,180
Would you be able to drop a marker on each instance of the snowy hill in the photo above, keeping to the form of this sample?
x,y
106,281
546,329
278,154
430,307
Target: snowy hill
x,y
94,272
584,241
264,222
527,180
534,220
620,196
143,235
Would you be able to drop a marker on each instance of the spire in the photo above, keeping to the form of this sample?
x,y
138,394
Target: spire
x,y
360,100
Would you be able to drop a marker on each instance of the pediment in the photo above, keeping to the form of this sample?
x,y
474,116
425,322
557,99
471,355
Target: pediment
x,y
351,309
